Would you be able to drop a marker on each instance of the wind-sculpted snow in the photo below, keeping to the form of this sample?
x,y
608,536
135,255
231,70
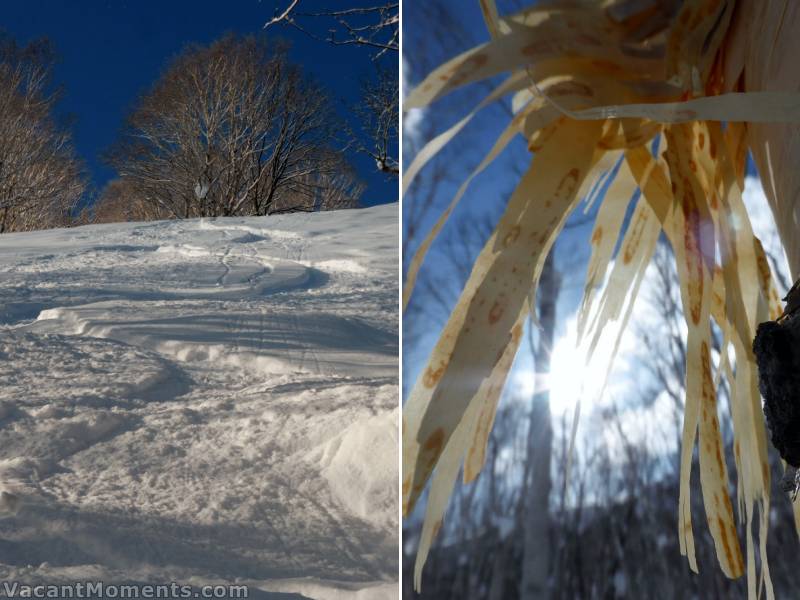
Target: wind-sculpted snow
x,y
203,401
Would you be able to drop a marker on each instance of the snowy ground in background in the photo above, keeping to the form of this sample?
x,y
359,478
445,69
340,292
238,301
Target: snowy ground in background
x,y
203,401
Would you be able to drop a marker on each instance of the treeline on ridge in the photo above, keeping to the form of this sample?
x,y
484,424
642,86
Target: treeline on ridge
x,y
229,129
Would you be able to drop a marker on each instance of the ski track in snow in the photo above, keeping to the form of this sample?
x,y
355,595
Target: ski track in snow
x,y
203,401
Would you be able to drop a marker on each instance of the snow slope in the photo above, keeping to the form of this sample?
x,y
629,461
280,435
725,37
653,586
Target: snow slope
x,y
203,401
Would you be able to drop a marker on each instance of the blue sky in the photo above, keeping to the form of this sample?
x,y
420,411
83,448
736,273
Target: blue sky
x,y
112,51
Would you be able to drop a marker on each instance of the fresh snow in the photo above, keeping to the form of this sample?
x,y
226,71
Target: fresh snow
x,y
204,402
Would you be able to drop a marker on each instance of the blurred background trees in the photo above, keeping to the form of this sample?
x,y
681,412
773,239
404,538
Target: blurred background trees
x,y
41,178
119,202
604,527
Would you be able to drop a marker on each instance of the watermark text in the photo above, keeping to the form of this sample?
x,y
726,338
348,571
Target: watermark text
x,y
98,589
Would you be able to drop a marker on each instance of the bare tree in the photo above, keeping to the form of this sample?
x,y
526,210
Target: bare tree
x,y
537,551
230,129
342,190
119,202
331,190
379,114
376,26
41,180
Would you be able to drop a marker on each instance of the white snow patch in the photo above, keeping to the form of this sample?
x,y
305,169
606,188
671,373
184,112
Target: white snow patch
x,y
203,401
346,266
360,465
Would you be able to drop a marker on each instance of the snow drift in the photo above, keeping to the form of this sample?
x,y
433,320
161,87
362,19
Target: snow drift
x,y
203,401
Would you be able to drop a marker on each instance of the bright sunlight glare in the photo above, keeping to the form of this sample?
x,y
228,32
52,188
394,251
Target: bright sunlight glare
x,y
570,376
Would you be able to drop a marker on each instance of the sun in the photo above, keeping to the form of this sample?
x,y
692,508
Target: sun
x,y
572,377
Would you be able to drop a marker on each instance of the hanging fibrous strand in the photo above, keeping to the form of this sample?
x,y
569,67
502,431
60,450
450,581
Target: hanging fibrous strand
x,y
594,86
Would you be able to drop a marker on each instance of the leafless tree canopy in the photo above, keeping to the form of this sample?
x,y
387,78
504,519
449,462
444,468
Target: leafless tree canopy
x,y
231,129
119,202
377,29
41,180
330,190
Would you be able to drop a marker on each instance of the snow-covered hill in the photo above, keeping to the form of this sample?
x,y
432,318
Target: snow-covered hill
x,y
203,401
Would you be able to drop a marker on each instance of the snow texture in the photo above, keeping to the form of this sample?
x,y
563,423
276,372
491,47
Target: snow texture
x,y
205,402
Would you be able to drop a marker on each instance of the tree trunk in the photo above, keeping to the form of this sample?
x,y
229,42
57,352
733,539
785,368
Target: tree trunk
x,y
537,548
497,589
765,41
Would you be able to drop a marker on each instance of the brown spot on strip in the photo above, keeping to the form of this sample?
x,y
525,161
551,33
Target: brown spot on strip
x,y
496,312
432,376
